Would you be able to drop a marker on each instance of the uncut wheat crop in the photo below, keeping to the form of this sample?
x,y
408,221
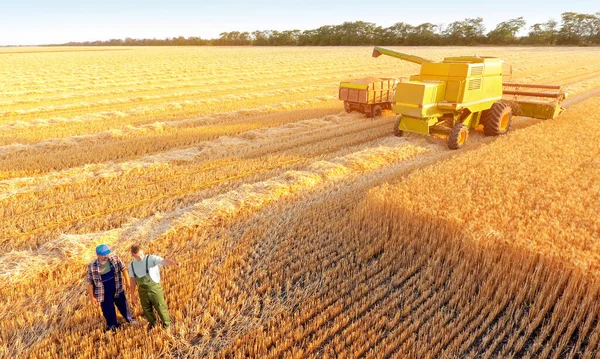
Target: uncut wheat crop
x,y
303,231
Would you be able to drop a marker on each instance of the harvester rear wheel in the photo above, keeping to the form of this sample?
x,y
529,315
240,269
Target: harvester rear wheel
x,y
496,120
458,136
377,111
397,131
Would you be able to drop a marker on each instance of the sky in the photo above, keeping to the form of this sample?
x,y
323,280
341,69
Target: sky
x,y
36,22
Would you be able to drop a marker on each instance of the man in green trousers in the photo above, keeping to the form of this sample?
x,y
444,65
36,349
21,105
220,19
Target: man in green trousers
x,y
143,272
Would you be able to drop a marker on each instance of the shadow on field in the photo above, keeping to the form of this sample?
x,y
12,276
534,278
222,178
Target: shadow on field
x,y
514,302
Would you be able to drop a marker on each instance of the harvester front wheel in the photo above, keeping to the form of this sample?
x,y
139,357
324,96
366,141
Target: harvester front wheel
x,y
377,111
458,136
496,120
397,131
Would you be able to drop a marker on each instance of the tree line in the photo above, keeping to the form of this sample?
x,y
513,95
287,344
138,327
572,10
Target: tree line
x,y
574,29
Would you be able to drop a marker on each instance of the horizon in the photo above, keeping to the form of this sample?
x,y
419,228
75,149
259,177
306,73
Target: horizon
x,y
68,21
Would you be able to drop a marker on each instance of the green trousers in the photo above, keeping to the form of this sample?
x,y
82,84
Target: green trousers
x,y
152,297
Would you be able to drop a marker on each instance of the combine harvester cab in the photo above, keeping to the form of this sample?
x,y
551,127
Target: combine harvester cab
x,y
369,95
460,93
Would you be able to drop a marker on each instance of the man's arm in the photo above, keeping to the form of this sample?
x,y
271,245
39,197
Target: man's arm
x,y
167,262
90,290
132,283
90,286
125,273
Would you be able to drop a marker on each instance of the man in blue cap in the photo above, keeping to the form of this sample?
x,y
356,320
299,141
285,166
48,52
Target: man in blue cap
x,y
106,280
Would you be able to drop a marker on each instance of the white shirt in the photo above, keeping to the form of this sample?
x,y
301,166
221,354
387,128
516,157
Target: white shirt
x,y
139,267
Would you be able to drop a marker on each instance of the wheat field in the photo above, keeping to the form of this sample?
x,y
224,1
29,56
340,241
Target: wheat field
x,y
303,231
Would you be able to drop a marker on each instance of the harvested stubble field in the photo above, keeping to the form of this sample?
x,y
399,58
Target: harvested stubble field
x,y
303,231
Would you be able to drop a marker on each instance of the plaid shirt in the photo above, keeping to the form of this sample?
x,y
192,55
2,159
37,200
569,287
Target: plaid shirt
x,y
95,278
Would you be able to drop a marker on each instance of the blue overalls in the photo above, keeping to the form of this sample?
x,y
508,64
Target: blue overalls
x,y
111,299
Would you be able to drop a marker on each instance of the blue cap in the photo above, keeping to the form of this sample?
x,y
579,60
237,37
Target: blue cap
x,y
102,250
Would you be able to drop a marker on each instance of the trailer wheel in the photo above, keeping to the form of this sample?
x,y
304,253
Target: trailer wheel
x,y
347,107
398,132
496,120
458,136
377,111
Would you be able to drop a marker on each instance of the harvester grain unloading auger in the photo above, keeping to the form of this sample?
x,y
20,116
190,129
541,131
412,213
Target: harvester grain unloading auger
x,y
462,92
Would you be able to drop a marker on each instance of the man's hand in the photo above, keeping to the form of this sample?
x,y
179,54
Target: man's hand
x,y
133,298
94,301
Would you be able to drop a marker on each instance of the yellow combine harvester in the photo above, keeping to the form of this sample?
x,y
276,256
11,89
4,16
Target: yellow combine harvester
x,y
460,93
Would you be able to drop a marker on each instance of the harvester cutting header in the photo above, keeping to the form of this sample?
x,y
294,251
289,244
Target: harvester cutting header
x,y
463,92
